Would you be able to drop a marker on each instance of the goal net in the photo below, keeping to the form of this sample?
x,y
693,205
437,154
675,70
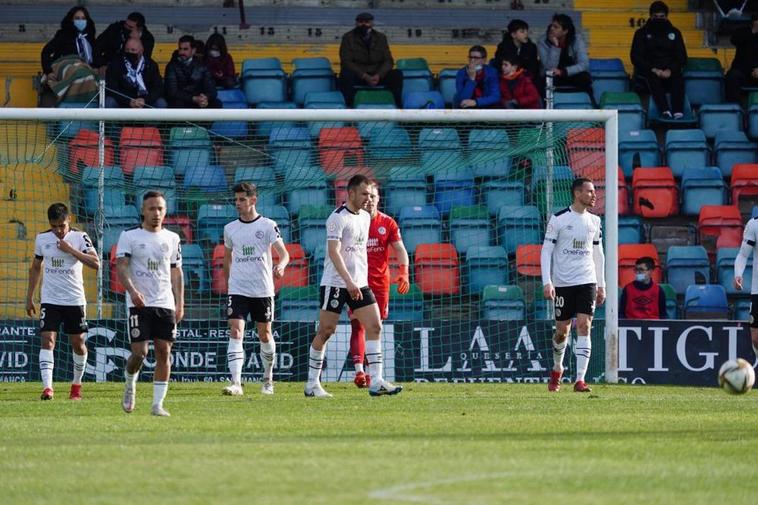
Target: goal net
x,y
470,190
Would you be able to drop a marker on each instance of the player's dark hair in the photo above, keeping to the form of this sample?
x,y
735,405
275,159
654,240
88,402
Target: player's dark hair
x,y
186,38
578,183
246,187
478,49
356,181
138,18
647,261
153,193
658,7
516,25
57,211
514,59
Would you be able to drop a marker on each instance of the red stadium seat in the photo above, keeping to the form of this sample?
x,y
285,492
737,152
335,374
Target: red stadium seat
x,y
528,260
296,273
340,148
716,221
218,279
83,151
744,181
116,286
586,148
140,147
623,200
629,254
180,225
436,267
655,192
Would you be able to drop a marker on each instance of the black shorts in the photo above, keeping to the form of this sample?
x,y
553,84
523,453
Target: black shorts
x,y
332,299
151,323
73,318
754,311
572,300
261,310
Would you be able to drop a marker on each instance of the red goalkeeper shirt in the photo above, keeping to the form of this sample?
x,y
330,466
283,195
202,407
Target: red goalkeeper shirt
x,y
382,232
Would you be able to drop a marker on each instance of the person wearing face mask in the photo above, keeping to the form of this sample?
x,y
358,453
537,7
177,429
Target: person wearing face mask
x,y
189,84
643,298
659,56
133,80
110,43
220,62
564,53
477,84
366,61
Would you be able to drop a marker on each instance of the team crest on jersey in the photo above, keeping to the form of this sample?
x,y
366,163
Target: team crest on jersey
x,y
334,303
259,234
135,332
164,247
229,311
382,230
672,36
332,227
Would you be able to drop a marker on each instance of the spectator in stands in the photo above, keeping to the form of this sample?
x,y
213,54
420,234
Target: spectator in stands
x,y
68,58
564,53
110,43
220,62
643,298
659,57
477,84
744,71
366,60
516,42
189,83
133,79
517,91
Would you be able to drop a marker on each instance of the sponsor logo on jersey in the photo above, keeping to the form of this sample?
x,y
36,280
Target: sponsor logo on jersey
x,y
164,247
57,262
578,248
248,255
153,265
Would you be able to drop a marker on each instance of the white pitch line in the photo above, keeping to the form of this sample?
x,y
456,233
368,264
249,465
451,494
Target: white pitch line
x,y
404,492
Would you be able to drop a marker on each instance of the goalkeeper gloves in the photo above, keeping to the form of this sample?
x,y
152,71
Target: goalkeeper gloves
x,y
403,286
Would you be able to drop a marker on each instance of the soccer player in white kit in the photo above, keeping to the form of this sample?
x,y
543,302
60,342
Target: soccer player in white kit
x,y
345,281
62,251
573,276
250,279
749,244
149,265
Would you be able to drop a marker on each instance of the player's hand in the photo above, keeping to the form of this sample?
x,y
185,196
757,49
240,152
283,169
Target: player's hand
x,y
65,247
278,271
138,298
738,283
548,292
403,286
30,309
600,296
179,313
354,291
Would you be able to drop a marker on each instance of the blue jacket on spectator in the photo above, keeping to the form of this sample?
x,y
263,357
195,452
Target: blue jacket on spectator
x,y
465,88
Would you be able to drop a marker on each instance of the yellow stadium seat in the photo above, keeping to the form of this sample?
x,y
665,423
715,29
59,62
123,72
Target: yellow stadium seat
x,y
9,231
23,132
20,91
39,153
17,270
27,190
16,251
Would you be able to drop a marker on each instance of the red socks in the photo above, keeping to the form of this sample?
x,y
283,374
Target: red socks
x,y
357,342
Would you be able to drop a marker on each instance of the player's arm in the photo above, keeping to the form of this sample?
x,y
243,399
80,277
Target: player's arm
x,y
35,270
87,257
122,269
333,249
177,286
403,284
740,262
227,265
598,257
284,258
546,258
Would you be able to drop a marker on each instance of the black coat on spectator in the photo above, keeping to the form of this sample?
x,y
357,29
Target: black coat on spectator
x,y
660,45
116,81
64,43
527,53
111,42
746,57
185,81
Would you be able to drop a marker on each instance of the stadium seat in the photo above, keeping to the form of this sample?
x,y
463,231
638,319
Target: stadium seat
x,y
407,307
752,116
420,225
195,269
340,184
704,81
489,153
263,128
440,149
586,149
324,99
561,195
654,117
298,304
706,302
519,225
608,75
208,179
211,219
742,309
83,152
744,182
655,192
638,148
389,144
302,191
702,186
686,149
416,74
189,145
140,147
296,274
429,99
156,178
733,147
630,112
447,85
686,265
317,263
182,226
630,230
629,254
715,221
725,257
453,188
218,279
280,215
312,226
311,75
373,97
371,128
469,226
572,100
528,262
117,219
340,148
501,302
69,129
436,269
405,187
623,194
263,80
265,183
717,117
499,192
485,265
113,188
231,99
115,283
672,309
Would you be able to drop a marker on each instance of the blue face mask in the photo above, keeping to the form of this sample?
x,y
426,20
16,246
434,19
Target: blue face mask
x,y
80,24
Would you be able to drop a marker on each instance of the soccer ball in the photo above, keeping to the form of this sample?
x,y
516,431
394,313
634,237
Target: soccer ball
x,y
736,376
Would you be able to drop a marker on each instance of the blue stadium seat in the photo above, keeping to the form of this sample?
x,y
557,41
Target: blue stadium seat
x,y
742,309
117,219
519,225
503,303
152,178
263,128
702,186
369,128
323,99
630,112
725,257
317,263
265,182
420,225
211,219
423,100
298,304
704,81
489,153
608,75
717,117
438,146
301,191
208,179
686,265
312,226
189,146
706,301
638,145
752,116
279,214
454,188
685,150
311,75
405,187
499,192
654,115
485,265
263,80
407,307
389,143
447,84
732,147
113,188
572,100
416,74
630,230
469,226
290,146
196,278
69,129
231,99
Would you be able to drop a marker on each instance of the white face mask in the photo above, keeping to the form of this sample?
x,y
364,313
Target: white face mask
x,y
214,54
641,278
478,68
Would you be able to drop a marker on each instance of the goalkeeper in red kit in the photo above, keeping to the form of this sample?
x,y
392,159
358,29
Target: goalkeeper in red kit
x,y
383,234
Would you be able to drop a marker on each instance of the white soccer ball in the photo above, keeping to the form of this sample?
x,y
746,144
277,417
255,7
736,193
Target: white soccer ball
x,y
736,376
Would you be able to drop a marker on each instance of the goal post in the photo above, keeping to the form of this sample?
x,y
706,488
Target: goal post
x,y
399,148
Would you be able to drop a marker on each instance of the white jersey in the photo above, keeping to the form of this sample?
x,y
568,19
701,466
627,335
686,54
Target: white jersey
x,y
351,229
151,255
573,237
62,280
749,243
251,268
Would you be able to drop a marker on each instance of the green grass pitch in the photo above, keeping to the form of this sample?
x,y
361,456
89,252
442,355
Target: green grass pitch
x,y
435,444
